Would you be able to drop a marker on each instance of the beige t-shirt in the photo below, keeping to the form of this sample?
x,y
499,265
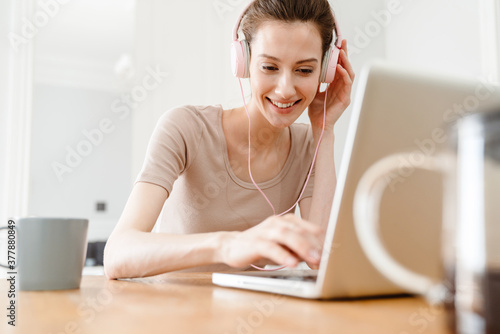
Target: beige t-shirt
x,y
187,155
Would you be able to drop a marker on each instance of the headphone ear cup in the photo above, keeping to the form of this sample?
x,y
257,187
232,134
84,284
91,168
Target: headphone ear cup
x,y
237,59
329,66
240,58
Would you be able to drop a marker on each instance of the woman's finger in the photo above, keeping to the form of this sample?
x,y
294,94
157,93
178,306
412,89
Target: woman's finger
x,y
276,253
303,224
303,244
346,77
313,265
346,63
343,45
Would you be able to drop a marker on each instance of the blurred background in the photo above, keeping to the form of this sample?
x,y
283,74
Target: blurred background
x,y
83,82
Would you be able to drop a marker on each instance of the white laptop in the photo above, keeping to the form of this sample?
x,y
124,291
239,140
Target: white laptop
x,y
394,110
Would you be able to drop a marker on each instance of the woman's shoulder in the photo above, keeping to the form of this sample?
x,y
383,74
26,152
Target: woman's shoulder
x,y
302,132
191,113
304,141
192,119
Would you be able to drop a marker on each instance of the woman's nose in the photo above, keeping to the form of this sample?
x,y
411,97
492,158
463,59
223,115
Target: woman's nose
x,y
285,86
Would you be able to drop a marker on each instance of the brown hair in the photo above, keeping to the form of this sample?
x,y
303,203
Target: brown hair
x,y
315,11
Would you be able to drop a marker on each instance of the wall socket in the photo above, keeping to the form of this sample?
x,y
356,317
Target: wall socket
x,y
101,206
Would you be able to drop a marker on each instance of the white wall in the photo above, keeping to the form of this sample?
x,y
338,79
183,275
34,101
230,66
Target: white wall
x,y
4,81
64,118
80,83
437,35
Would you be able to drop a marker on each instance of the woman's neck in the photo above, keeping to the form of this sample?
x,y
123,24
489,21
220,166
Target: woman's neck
x,y
264,136
269,146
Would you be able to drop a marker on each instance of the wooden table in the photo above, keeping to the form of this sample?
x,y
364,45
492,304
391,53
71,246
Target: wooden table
x,y
190,303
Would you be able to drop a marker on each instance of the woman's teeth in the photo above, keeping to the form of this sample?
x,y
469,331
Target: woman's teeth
x,y
281,105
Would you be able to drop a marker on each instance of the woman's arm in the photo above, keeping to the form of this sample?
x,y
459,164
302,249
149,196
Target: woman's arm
x,y
317,208
133,251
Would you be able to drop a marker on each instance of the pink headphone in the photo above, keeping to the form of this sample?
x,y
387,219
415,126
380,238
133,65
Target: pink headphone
x,y
240,54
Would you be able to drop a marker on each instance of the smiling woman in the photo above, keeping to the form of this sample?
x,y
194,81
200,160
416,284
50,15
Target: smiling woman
x,y
193,181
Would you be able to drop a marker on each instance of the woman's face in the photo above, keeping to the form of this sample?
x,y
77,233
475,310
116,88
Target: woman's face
x,y
284,70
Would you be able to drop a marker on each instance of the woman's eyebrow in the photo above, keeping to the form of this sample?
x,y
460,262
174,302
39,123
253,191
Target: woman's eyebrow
x,y
299,62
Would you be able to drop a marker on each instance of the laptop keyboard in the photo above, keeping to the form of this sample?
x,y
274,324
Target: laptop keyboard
x,y
304,278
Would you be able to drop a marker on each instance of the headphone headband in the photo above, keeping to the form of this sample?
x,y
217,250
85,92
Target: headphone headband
x,y
338,34
238,22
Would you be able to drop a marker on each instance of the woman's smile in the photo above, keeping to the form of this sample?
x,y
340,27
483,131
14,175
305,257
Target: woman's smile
x,y
283,107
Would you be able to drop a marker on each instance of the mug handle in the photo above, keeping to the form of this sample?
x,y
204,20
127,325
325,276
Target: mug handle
x,y
5,228
366,220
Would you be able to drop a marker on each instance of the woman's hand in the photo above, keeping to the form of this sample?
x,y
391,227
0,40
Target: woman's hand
x,y
339,95
285,240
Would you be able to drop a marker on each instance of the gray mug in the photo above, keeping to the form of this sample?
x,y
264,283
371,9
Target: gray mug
x,y
49,252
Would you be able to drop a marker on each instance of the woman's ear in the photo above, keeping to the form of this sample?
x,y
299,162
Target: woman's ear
x,y
319,87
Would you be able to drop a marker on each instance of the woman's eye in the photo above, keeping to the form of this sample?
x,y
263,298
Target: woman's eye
x,y
269,68
305,71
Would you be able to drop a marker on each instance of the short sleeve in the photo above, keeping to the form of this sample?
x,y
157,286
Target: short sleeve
x,y
172,146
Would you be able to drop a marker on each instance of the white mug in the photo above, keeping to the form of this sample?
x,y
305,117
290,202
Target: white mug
x,y
471,224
